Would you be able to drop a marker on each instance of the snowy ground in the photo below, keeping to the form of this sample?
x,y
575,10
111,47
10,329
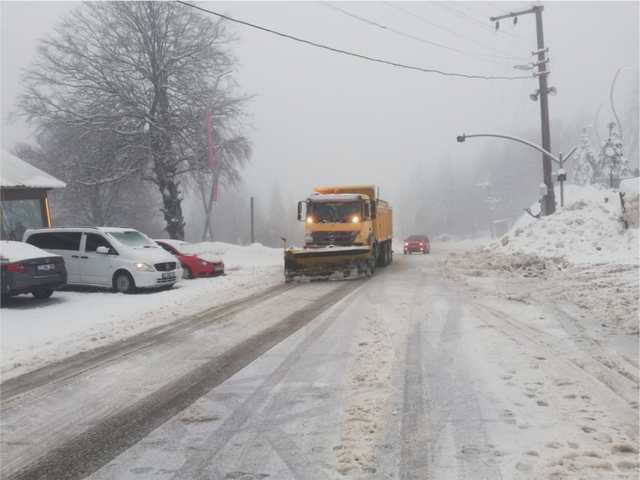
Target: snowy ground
x,y
37,332
471,362
427,370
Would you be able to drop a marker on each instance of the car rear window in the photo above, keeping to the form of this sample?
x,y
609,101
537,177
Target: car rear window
x,y
56,240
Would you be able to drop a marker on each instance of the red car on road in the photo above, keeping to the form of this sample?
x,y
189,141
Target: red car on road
x,y
417,243
192,265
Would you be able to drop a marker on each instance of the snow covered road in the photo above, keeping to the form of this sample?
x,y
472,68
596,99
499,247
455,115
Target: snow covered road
x,y
415,373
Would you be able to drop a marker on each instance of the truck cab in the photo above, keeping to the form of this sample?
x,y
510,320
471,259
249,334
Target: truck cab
x,y
336,219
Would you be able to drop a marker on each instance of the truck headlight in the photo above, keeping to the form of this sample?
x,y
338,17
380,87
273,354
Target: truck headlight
x,y
145,267
355,219
309,219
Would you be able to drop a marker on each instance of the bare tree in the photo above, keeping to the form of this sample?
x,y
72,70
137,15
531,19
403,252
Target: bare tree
x,y
144,71
103,182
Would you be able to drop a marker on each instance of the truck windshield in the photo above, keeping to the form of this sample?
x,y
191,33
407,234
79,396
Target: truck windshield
x,y
325,212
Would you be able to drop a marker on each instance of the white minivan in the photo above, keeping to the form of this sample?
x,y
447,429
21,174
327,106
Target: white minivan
x,y
120,258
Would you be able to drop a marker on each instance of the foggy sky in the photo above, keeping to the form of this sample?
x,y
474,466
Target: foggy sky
x,y
321,118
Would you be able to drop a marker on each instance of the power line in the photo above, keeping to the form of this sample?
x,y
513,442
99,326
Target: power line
x,y
450,30
489,58
465,16
350,53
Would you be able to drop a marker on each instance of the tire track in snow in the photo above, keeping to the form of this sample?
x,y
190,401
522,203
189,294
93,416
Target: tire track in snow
x,y
597,365
439,399
464,416
195,466
89,451
414,434
83,362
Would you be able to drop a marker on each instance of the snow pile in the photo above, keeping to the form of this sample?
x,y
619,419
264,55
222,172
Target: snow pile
x,y
526,265
237,257
17,251
587,230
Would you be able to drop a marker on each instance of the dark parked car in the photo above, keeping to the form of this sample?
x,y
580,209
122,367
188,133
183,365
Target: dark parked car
x,y
28,269
417,243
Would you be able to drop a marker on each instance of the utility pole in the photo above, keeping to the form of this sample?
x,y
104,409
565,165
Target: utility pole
x,y
543,92
253,238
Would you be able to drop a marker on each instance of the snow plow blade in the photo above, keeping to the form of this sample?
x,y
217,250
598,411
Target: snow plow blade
x,y
325,263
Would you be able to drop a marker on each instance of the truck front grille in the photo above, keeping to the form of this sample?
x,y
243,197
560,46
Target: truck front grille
x,y
334,238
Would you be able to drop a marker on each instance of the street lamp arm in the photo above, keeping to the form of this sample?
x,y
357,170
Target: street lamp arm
x,y
515,139
571,152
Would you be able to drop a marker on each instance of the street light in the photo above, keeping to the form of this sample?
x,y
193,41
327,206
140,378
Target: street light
x,y
560,161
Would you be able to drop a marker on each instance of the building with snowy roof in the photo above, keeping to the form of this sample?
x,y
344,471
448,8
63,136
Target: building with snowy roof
x,y
23,196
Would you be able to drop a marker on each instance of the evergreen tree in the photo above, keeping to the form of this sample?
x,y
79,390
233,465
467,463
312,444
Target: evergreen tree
x,y
614,164
588,166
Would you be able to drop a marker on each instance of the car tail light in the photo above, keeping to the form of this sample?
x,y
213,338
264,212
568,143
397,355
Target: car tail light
x,y
15,267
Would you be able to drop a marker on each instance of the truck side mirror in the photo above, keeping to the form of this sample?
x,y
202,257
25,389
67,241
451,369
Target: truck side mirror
x,y
373,209
299,211
367,211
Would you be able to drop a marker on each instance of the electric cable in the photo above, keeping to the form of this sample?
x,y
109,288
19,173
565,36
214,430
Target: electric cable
x,y
482,56
351,53
506,55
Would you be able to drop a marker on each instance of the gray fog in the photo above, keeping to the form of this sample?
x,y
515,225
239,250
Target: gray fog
x,y
321,118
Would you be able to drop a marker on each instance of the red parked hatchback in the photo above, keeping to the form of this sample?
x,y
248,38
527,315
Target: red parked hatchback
x,y
192,265
417,243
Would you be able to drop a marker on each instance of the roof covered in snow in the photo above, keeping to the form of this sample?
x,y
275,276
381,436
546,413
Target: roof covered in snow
x,y
16,173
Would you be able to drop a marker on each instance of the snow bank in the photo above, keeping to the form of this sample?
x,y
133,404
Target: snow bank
x,y
587,230
34,332
236,257
17,251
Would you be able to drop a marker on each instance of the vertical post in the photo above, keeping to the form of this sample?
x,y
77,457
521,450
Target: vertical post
x,y
611,165
549,201
561,179
253,238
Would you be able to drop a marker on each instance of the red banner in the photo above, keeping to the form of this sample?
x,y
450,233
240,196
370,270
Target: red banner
x,y
212,159
215,191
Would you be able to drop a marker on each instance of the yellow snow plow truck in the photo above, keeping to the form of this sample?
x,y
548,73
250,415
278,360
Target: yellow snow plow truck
x,y
347,233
